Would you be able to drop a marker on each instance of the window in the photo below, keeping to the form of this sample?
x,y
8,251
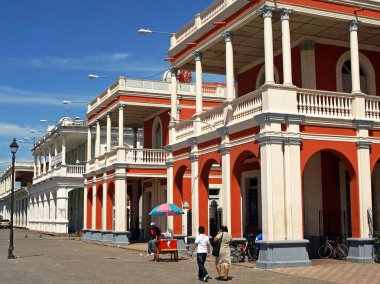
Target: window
x,y
157,134
346,78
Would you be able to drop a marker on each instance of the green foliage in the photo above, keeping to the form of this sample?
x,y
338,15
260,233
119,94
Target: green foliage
x,y
377,247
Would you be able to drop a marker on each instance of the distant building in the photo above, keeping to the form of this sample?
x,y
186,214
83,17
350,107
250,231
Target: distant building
x,y
23,179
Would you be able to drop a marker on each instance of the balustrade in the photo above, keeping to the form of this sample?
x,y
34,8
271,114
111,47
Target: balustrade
x,y
372,107
145,156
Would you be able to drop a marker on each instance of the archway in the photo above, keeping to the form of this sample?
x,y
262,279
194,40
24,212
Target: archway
x,y
89,208
246,217
328,183
110,219
99,205
75,208
210,182
181,186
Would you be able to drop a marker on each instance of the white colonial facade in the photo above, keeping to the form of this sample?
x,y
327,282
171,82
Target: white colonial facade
x,y
23,178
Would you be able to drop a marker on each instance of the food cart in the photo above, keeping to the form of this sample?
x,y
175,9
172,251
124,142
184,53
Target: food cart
x,y
167,246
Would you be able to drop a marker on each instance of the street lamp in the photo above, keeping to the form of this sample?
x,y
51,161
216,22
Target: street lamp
x,y
148,31
73,102
13,147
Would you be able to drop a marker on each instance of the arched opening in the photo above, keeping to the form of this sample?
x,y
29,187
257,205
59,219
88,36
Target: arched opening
x,y
157,134
99,206
260,80
75,208
89,208
246,195
110,219
328,183
346,78
178,199
210,184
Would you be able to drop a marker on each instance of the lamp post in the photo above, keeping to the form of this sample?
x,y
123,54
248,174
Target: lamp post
x,y
13,147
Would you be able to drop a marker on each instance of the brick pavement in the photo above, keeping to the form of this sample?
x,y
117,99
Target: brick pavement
x,y
49,259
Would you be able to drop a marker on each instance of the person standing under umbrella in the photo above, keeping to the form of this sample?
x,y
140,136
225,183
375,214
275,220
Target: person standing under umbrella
x,y
202,243
155,233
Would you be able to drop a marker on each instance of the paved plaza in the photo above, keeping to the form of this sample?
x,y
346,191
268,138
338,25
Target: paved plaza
x,y
47,259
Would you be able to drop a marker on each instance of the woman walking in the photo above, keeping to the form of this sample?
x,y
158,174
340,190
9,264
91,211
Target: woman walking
x,y
202,243
224,258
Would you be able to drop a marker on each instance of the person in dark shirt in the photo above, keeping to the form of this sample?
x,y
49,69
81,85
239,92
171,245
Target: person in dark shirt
x,y
155,234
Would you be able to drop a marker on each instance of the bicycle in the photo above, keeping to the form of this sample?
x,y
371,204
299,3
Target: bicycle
x,y
247,248
333,249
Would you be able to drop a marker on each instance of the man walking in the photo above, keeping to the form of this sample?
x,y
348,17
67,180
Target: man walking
x,y
202,244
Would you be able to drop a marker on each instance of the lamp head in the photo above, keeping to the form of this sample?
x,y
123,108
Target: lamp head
x,y
144,31
14,146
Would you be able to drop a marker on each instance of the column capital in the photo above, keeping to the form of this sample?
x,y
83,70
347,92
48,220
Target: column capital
x,y
98,121
285,14
193,157
192,141
120,106
363,144
297,141
173,71
363,123
270,139
109,114
266,11
353,25
225,149
168,149
228,35
169,164
198,55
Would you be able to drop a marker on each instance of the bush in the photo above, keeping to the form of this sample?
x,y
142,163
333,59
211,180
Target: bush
x,y
376,255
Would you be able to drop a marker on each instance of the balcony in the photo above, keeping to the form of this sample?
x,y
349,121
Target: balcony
x,y
315,105
144,158
67,171
137,86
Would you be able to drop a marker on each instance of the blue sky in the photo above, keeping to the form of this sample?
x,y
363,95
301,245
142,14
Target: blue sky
x,y
48,47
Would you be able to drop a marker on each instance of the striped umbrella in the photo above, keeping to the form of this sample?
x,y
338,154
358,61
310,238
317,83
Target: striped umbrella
x,y
166,209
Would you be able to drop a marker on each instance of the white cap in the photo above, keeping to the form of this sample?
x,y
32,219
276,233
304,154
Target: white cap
x,y
153,224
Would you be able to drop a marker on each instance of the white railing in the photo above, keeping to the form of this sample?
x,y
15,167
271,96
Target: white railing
x,y
246,106
150,86
323,103
75,169
212,118
184,129
372,107
212,10
145,156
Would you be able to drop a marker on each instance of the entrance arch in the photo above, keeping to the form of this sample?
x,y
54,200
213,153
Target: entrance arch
x,y
110,219
89,208
181,194
99,205
75,210
330,198
246,216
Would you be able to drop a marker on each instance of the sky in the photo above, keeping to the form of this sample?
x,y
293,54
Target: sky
x,y
48,47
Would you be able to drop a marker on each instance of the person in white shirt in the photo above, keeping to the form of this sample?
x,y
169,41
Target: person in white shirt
x,y
202,244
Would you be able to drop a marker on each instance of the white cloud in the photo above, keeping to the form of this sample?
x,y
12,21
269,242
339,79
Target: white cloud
x,y
13,130
111,62
10,95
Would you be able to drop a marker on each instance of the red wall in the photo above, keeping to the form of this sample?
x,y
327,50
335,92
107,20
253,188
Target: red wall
x,y
165,118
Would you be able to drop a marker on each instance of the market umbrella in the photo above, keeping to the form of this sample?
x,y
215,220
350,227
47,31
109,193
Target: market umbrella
x,y
166,209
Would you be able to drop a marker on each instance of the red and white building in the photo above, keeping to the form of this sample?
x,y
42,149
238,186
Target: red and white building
x,y
293,143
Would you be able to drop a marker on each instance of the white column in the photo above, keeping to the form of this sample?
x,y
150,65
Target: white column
x,y
44,161
230,81
307,52
120,200
35,165
109,128
55,149
226,185
85,204
354,50
364,182
39,165
169,182
63,150
198,82
62,226
121,125
89,143
97,139
173,110
286,47
268,43
49,157
93,221
293,188
194,187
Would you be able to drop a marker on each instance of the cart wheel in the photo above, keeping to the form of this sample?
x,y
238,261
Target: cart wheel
x,y
176,256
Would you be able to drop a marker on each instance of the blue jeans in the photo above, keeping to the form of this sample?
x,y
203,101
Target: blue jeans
x,y
201,259
151,246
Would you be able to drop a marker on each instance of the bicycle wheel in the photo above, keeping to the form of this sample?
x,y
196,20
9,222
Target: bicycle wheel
x,y
235,255
342,251
324,251
253,253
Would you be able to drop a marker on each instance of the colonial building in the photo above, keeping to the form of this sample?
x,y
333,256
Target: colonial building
x,y
297,136
123,183
56,195
23,178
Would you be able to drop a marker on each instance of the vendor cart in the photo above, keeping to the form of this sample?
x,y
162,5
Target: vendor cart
x,y
166,246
